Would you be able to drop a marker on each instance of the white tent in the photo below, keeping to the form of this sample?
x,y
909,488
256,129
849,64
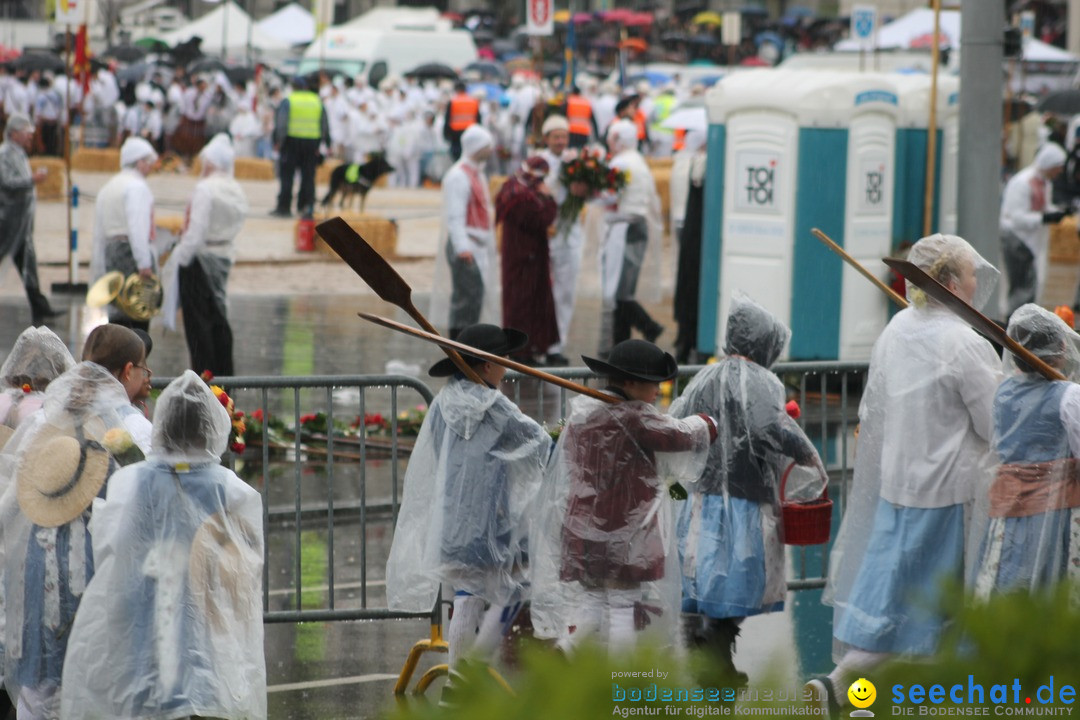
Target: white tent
x,y
913,31
292,24
225,32
400,18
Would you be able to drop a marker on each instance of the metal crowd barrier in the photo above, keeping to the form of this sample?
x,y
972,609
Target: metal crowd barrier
x,y
827,394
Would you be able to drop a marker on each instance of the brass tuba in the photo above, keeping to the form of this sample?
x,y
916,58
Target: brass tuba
x,y
139,298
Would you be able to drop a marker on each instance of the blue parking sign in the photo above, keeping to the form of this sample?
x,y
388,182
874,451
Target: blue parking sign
x,y
863,22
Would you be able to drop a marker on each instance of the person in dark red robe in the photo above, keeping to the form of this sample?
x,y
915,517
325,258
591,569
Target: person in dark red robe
x,y
526,211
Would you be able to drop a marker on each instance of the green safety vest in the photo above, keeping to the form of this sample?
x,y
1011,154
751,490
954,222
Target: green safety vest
x,y
662,107
305,115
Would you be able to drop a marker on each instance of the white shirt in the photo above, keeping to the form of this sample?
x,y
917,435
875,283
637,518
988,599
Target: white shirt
x,y
218,209
1017,214
124,206
196,105
17,99
456,190
931,395
638,196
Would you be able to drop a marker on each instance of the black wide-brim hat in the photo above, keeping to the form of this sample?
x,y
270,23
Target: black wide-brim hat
x,y
482,336
635,360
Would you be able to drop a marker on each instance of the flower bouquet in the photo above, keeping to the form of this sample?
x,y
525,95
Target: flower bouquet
x,y
589,168
236,418
122,447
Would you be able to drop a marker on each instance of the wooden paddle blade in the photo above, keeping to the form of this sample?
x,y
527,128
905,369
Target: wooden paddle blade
x,y
970,315
448,344
365,261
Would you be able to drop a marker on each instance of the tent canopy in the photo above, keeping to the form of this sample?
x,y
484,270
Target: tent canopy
x,y
224,31
292,24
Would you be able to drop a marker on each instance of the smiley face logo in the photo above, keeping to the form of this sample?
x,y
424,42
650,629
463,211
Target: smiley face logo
x,y
862,693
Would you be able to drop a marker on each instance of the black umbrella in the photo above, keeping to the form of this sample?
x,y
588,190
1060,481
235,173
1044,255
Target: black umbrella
x,y
675,37
1062,102
432,71
126,53
41,62
239,74
205,65
488,71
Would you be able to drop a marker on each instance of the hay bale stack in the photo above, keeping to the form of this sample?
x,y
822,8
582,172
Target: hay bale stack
x,y
1063,246
322,174
660,163
170,223
103,160
53,186
244,168
379,232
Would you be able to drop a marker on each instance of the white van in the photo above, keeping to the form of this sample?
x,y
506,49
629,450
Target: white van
x,y
354,51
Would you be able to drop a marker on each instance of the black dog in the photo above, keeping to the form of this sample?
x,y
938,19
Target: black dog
x,y
348,181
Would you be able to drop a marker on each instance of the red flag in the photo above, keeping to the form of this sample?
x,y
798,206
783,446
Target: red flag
x,y
81,65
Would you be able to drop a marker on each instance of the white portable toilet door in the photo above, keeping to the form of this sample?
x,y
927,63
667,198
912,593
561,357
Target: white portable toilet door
x,y
759,212
864,308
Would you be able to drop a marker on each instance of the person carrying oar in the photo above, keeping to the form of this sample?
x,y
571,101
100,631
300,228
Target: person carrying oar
x,y
475,469
926,423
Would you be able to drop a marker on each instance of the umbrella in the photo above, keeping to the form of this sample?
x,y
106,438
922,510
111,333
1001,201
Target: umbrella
x,y
126,53
653,77
582,17
504,48
635,43
691,118
491,91
518,64
205,65
488,71
561,16
707,40
1062,102
38,61
240,74
674,37
432,71
707,18
152,44
753,10
617,15
640,19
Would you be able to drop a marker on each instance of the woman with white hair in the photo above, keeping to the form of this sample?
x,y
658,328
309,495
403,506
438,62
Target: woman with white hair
x,y
124,223
1026,214
926,423
18,198
632,213
197,272
171,624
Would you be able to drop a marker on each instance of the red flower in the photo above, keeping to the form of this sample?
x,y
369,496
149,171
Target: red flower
x,y
207,376
26,388
305,419
793,410
237,447
238,415
224,398
258,415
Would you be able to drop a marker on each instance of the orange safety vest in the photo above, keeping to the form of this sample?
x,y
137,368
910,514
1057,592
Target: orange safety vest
x,y
678,139
464,109
639,120
578,112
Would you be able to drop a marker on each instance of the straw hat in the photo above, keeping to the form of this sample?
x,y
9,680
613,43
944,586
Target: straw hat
x,y
60,475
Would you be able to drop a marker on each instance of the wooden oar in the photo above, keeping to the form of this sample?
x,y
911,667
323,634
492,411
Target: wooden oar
x,y
497,359
859,268
971,316
380,277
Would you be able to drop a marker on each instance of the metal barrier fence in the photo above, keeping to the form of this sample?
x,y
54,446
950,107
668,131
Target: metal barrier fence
x,y
303,569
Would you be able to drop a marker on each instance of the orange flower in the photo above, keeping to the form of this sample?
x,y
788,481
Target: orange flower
x,y
1066,313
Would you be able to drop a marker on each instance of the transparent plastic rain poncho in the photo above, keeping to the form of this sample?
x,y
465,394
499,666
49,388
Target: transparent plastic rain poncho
x,y
605,533
473,473
37,358
46,569
1024,533
925,427
730,528
171,624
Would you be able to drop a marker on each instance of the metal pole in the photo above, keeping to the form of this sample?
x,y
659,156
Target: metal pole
x,y
979,161
66,135
931,127
225,29
1072,34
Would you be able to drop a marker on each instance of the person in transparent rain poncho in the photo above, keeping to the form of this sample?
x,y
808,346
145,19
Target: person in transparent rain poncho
x,y
171,624
603,558
475,469
924,446
54,466
730,532
37,358
1026,521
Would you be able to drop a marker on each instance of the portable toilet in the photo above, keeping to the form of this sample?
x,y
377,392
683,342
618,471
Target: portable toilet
x,y
788,151
909,182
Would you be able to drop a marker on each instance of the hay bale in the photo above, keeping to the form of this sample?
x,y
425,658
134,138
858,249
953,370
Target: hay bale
x,y
662,177
1064,247
170,223
379,232
53,186
103,160
322,175
249,168
660,163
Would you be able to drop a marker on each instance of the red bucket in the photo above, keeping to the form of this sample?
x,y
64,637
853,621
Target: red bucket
x,y
305,235
805,523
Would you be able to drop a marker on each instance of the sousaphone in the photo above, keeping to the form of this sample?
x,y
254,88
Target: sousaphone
x,y
139,298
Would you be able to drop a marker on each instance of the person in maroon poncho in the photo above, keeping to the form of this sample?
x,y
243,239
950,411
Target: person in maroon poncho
x,y
526,211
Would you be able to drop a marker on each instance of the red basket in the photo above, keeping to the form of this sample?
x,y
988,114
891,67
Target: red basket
x,y
805,523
